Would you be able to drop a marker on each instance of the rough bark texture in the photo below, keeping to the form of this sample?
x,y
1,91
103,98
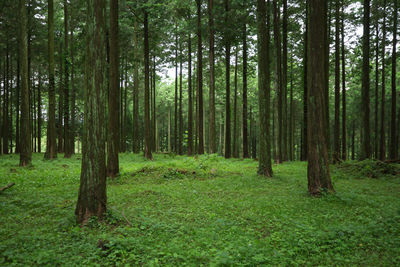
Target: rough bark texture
x,y
92,191
200,148
264,90
147,136
113,105
365,151
393,151
318,159
212,131
25,142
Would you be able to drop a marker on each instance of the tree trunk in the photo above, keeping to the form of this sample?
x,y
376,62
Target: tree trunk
x,y
147,137
336,128
264,89
284,82
136,131
245,132
39,115
6,93
291,119
180,139
318,159
227,84
277,39
67,139
176,97
113,105
212,134
393,151
235,118
382,145
190,98
200,148
73,94
17,105
304,147
92,191
344,144
51,143
376,109
26,149
60,128
365,151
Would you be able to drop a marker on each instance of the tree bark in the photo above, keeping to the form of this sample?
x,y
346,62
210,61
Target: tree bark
x,y
92,191
382,145
67,140
190,98
26,148
212,133
227,84
136,130
393,151
344,143
113,105
200,148
51,143
147,137
244,120
180,139
318,159
235,118
304,147
284,81
264,89
336,128
365,151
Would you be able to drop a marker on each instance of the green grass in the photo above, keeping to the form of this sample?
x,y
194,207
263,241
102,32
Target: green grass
x,y
198,211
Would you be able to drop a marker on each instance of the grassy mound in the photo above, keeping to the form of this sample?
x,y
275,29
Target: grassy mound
x,y
369,168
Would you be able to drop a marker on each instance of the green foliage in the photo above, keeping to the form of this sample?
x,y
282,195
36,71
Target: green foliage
x,y
201,210
369,168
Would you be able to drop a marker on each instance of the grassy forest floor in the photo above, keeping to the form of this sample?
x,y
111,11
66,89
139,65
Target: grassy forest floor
x,y
200,211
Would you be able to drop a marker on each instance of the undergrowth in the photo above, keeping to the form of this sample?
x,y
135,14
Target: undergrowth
x,y
202,210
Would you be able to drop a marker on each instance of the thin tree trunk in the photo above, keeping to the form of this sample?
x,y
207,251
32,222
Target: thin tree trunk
x,y
382,145
227,84
113,107
284,82
176,97
336,128
39,115
304,147
73,94
235,118
136,131
212,134
60,105
200,148
190,98
147,137
67,139
51,143
344,133
376,109
180,139
245,131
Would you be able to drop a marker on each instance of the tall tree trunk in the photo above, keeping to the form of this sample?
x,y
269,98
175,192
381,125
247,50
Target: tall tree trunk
x,y
113,107
180,149
344,143
154,121
291,119
136,130
67,139
60,105
277,39
227,84
393,151
264,89
336,128
39,115
382,145
212,134
92,191
245,132
176,97
190,98
6,93
318,159
304,147
147,137
26,149
200,148
365,151
51,143
17,105
376,109
73,94
284,82
235,118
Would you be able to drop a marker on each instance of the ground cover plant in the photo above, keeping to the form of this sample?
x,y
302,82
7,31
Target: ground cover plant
x,y
195,211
